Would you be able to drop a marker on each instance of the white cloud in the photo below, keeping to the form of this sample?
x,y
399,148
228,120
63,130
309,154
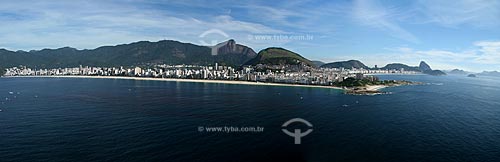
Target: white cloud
x,y
489,52
479,13
82,24
372,14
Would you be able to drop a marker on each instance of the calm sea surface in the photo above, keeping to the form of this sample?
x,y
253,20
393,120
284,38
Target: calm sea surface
x,y
450,118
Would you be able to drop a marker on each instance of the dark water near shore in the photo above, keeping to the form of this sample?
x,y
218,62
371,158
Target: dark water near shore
x,y
451,118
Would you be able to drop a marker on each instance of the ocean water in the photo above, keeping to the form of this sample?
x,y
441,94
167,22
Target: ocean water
x,y
450,118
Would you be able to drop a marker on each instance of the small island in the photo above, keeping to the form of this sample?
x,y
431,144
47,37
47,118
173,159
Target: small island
x,y
370,85
472,75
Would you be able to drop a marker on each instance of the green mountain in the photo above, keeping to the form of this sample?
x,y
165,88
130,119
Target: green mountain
x,y
398,66
279,56
346,64
457,72
138,53
424,66
426,69
232,52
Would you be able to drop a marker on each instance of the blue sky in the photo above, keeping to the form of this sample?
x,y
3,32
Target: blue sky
x,y
447,34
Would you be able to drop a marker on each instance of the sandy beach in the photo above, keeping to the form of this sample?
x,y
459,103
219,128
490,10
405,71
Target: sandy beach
x,y
184,80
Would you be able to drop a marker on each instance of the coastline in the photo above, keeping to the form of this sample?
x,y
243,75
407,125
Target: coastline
x,y
182,80
375,87
368,90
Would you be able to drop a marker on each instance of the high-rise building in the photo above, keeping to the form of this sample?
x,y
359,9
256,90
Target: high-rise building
x,y
137,71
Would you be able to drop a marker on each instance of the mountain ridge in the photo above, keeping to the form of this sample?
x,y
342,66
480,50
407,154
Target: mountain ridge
x,y
175,52
345,64
279,56
399,66
135,53
457,72
489,73
423,67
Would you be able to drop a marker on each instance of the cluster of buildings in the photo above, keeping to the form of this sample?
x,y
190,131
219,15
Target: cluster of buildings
x,y
383,71
260,73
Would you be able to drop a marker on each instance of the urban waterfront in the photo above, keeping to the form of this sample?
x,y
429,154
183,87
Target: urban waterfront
x,y
448,118
288,74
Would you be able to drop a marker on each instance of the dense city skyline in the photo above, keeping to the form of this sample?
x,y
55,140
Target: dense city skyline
x,y
448,35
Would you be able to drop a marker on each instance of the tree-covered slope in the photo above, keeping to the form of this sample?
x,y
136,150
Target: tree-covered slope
x,y
279,56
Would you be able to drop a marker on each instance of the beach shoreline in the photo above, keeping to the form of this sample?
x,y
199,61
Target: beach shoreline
x,y
181,80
